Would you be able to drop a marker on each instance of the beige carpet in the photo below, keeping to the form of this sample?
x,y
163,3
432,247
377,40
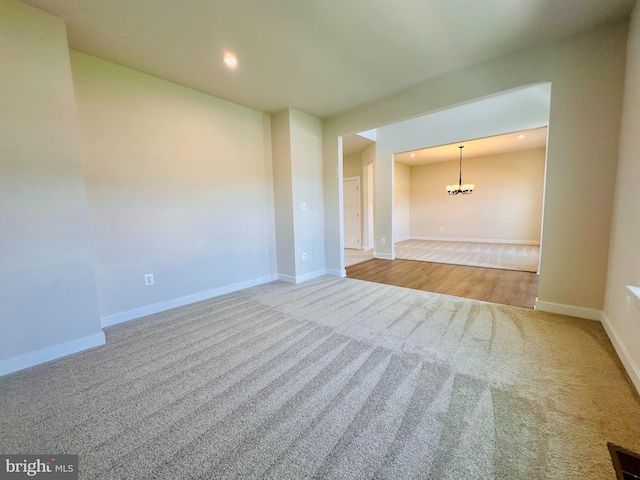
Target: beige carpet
x,y
353,256
333,378
505,256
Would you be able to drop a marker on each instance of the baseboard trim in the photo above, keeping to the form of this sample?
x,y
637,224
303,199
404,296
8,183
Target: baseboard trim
x,y
580,312
286,278
302,278
385,256
337,273
401,239
311,275
477,240
632,369
179,302
54,352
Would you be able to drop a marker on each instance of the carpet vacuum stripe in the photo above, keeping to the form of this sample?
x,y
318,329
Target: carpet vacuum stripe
x,y
332,378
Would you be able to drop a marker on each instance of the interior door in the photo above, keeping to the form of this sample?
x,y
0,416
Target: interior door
x,y
351,205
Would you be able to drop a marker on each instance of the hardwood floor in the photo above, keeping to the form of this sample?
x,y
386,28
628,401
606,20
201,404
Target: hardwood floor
x,y
507,287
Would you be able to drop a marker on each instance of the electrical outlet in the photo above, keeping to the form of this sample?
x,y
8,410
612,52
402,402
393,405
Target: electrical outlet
x,y
442,229
383,241
303,206
148,279
304,256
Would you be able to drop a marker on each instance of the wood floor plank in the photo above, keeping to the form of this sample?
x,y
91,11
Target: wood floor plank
x,y
508,287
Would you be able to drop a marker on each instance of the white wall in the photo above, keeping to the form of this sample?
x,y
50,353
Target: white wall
x,y
297,158
47,282
306,161
519,109
624,257
368,193
180,185
352,166
587,75
283,193
401,201
506,205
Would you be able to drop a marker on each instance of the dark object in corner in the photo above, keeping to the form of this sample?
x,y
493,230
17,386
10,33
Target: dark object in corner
x,y
625,462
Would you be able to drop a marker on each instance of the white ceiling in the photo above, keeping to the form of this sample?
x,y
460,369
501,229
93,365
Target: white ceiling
x,y
320,56
510,142
354,144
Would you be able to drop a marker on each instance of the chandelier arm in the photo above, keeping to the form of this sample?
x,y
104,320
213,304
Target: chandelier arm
x,y
460,178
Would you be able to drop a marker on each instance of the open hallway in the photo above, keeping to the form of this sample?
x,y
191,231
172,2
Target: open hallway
x,y
508,287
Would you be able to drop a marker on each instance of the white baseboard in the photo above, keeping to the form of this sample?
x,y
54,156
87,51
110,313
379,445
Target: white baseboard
x,y
31,359
632,369
580,312
337,273
286,278
477,240
401,239
311,275
385,256
302,278
179,302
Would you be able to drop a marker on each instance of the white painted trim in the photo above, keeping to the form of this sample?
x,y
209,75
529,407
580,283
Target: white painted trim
x,y
303,278
179,302
310,276
286,278
337,273
401,239
580,312
632,369
477,240
384,256
31,359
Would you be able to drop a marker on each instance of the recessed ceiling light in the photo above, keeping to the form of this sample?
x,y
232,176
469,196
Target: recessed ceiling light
x,y
413,155
230,60
520,137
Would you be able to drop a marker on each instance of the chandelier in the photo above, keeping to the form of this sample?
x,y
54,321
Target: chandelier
x,y
465,189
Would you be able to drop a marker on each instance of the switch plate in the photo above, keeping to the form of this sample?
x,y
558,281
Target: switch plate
x,y
148,279
383,241
303,206
304,256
